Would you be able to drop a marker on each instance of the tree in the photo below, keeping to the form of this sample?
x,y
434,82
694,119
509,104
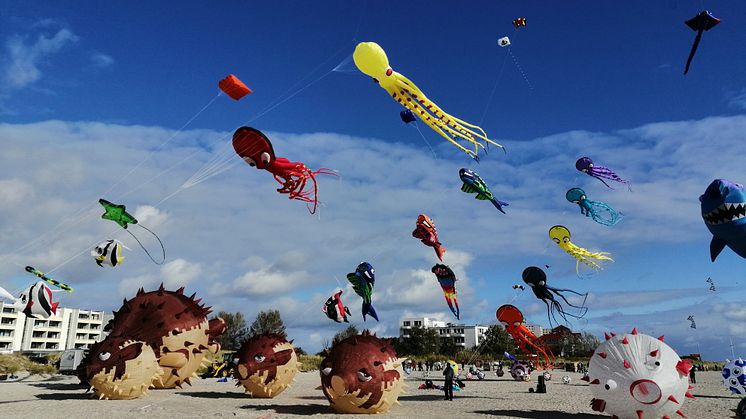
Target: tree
x,y
422,341
235,330
448,347
268,322
588,343
344,334
497,341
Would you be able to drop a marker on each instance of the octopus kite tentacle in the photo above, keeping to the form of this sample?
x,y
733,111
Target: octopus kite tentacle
x,y
600,212
560,235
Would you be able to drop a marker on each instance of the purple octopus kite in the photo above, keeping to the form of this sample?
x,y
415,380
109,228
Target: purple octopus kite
x,y
585,165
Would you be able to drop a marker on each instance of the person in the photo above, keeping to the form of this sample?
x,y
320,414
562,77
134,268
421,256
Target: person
x,y
692,377
448,386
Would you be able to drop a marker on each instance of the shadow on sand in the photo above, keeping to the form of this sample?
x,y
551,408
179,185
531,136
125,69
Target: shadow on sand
x,y
299,409
59,386
538,414
216,395
65,396
440,396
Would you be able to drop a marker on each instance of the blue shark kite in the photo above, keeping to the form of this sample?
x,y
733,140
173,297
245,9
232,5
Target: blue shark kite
x,y
724,213
363,280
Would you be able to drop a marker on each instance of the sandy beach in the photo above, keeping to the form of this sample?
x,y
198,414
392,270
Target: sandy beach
x,y
62,397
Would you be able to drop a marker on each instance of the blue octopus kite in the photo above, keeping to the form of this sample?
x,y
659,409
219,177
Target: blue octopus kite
x,y
601,212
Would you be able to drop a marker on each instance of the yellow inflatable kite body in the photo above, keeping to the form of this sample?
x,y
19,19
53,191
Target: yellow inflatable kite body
x,y
560,235
371,59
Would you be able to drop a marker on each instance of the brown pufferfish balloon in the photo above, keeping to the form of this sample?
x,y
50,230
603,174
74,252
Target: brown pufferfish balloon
x,y
267,364
362,374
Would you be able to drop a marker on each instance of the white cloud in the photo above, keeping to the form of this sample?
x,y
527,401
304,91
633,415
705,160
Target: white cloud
x,y
101,60
179,273
25,58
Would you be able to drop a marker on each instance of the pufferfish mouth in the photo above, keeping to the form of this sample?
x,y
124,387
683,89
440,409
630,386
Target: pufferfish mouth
x,y
726,213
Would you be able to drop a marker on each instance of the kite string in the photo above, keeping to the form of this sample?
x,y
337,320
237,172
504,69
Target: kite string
x,y
520,69
494,89
416,125
163,249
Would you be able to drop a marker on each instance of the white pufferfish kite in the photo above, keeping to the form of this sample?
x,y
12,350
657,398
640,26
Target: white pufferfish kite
x,y
371,59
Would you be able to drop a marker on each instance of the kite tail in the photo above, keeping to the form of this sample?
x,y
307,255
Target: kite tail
x,y
694,50
602,213
499,204
163,249
368,309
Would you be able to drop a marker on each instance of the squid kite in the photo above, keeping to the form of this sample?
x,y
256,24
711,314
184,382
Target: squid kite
x,y
537,280
371,59
426,232
363,280
447,280
119,214
255,149
561,236
600,212
585,165
704,21
39,274
512,319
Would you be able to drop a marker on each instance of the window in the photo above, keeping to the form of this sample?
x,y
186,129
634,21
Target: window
x,y
4,345
80,336
6,333
51,345
80,346
54,324
53,335
8,310
40,323
92,336
407,323
36,345
417,323
38,334
7,320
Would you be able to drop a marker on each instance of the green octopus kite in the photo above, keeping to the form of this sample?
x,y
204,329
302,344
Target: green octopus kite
x,y
118,214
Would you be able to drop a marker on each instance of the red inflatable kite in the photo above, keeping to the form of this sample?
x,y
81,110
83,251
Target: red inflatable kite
x,y
512,319
233,87
256,150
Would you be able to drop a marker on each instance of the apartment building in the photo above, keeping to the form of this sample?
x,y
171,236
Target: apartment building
x,y
70,328
466,336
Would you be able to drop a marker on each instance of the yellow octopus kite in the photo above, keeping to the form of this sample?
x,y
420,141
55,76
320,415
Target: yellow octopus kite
x,y
561,236
371,59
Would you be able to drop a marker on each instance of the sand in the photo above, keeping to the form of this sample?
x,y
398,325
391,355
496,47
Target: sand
x,y
62,397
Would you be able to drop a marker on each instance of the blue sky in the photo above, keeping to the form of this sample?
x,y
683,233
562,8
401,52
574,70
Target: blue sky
x,y
97,89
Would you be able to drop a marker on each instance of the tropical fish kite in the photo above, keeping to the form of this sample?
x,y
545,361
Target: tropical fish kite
x,y
447,280
712,284
600,212
371,59
335,310
363,280
704,21
560,235
723,208
119,214
255,149
473,183
691,319
233,87
537,280
39,274
109,253
426,232
586,165
519,22
36,302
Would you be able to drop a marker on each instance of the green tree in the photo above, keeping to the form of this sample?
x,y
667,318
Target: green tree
x,y
236,331
422,341
344,334
497,341
588,343
448,347
268,322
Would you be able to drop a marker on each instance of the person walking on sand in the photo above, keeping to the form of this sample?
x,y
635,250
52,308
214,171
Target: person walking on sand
x,y
448,386
692,377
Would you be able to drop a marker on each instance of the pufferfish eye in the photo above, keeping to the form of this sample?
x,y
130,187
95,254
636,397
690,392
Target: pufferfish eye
x,y
259,358
265,157
363,376
327,370
104,356
610,385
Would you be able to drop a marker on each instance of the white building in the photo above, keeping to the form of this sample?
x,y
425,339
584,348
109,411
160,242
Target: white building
x,y
70,328
463,335
535,329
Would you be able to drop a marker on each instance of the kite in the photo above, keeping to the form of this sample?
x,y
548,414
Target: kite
x,y
638,376
724,212
234,87
518,287
407,116
734,376
509,356
537,280
371,59
39,274
267,365
35,301
586,165
504,41
712,284
447,280
561,236
255,149
363,280
335,310
704,21
362,374
600,212
691,319
512,319
473,183
518,22
109,253
426,232
119,214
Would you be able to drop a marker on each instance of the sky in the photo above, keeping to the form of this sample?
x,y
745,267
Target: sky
x,y
122,103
